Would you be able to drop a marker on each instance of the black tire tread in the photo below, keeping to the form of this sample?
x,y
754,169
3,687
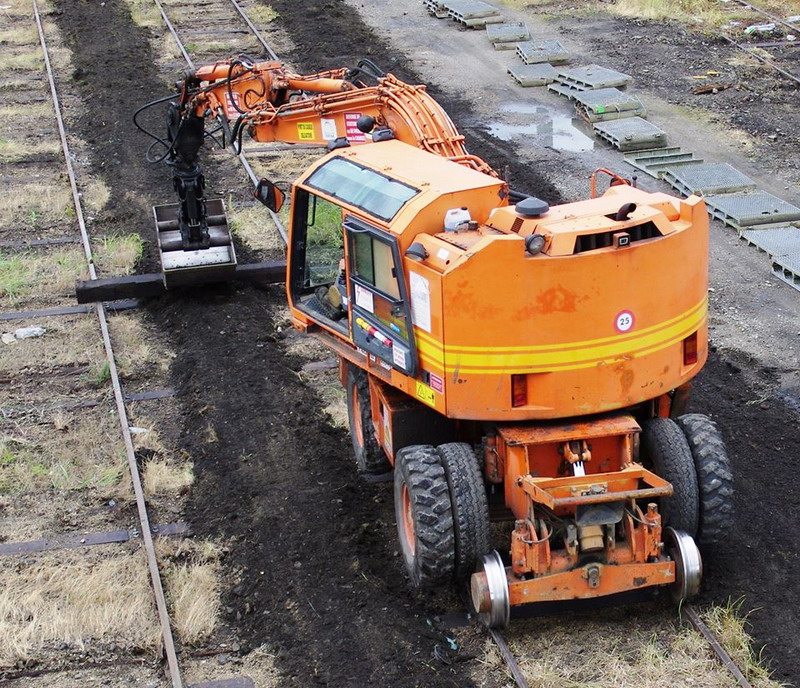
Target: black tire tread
x,y
419,466
370,458
665,445
714,477
470,506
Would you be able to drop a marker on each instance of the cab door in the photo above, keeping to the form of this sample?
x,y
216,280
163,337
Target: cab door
x,y
380,316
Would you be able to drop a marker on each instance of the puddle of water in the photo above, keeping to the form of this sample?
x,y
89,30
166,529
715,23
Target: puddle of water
x,y
552,128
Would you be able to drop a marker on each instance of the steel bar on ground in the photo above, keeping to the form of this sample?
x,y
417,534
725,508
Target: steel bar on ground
x,y
511,662
121,305
743,48
75,540
724,657
147,537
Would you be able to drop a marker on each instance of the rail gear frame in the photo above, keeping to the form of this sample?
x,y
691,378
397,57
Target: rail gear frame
x,y
523,361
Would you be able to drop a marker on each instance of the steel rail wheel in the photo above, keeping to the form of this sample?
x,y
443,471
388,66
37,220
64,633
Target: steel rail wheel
x,y
683,550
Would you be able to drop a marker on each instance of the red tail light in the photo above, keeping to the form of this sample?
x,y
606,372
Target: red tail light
x,y
519,390
690,349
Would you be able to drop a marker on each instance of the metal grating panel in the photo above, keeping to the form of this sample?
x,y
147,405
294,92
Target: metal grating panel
x,y
534,52
746,210
473,13
593,76
607,103
706,178
534,74
505,36
654,162
775,241
631,134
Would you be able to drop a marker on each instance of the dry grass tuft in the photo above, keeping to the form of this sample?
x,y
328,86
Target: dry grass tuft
x,y
262,14
144,13
34,203
117,255
193,593
254,227
729,624
138,349
693,11
95,195
162,477
38,275
75,598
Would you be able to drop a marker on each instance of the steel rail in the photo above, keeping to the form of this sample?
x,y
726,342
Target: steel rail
x,y
254,30
508,658
141,506
711,639
242,159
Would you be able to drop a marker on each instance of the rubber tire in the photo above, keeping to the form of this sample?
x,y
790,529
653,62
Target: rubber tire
x,y
370,457
419,468
666,447
714,477
470,506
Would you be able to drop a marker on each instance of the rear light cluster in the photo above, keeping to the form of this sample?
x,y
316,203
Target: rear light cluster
x,y
519,390
690,349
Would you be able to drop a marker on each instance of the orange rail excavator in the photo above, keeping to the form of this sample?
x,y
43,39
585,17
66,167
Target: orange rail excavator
x,y
503,360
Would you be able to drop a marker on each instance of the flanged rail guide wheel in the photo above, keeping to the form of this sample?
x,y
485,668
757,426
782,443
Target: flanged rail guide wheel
x,y
490,594
688,564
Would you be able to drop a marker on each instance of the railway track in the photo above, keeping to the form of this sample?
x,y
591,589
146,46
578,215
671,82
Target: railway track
x,y
245,39
777,49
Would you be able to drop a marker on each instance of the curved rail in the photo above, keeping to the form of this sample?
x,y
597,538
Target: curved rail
x,y
141,506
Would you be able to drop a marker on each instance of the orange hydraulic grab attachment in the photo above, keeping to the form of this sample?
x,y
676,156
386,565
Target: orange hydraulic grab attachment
x,y
528,358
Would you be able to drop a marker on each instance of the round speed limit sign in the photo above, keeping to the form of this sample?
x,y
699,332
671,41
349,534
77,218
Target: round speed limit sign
x,y
624,321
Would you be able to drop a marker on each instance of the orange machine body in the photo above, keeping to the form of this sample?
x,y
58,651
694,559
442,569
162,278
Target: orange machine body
x,y
543,337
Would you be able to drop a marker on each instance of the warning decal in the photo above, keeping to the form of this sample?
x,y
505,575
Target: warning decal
x,y
351,130
230,109
305,131
426,394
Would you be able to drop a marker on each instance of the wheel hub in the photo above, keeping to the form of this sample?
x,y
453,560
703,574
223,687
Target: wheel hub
x,y
490,595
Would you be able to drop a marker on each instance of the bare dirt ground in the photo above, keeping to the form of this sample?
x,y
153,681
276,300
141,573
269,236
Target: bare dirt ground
x,y
311,570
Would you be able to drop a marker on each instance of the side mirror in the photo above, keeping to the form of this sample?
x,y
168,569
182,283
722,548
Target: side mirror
x,y
269,194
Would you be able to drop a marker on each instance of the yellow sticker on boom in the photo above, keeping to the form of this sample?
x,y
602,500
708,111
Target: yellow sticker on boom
x,y
426,394
305,131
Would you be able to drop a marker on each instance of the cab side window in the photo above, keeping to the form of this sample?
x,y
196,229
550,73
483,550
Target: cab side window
x,y
324,244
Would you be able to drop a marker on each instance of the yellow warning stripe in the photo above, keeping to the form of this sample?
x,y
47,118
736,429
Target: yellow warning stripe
x,y
570,356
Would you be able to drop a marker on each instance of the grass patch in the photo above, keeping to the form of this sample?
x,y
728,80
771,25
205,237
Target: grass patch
x,y
118,255
29,112
15,151
86,452
22,62
137,348
68,341
24,36
34,276
32,204
73,597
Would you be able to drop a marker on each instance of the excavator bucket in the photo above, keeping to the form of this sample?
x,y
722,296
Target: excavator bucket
x,y
180,267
